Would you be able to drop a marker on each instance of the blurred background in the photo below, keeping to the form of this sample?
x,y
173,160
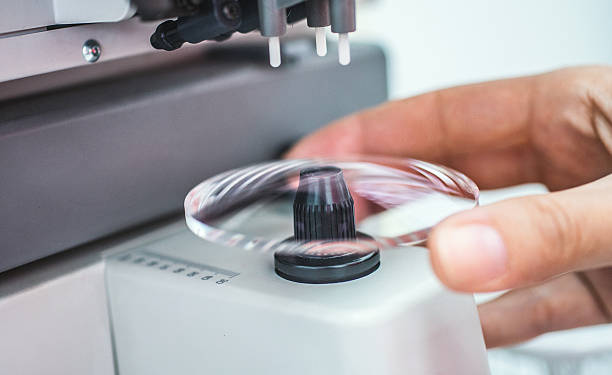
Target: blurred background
x,y
438,43
432,44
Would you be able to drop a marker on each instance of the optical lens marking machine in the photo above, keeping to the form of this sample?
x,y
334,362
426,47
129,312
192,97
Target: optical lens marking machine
x,y
178,304
101,137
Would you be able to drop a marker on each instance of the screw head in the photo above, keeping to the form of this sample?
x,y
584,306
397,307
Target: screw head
x,y
231,10
92,51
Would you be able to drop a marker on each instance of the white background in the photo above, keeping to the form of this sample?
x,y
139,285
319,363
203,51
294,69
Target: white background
x,y
439,43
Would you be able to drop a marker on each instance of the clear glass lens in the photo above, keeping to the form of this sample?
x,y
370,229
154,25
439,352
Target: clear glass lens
x,y
397,202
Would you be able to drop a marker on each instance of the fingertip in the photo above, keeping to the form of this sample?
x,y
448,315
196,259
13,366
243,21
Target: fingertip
x,y
467,256
438,261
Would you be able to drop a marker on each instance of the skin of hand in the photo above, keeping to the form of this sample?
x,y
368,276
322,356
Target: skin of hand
x,y
554,250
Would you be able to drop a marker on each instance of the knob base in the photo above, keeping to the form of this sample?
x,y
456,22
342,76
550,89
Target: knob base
x,y
326,269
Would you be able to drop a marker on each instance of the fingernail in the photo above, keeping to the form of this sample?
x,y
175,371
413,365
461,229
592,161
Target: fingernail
x,y
471,255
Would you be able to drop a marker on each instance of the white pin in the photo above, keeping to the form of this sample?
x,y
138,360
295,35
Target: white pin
x,y
344,49
275,51
321,41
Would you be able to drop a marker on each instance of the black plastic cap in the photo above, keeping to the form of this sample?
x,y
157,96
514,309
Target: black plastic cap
x,y
165,38
323,208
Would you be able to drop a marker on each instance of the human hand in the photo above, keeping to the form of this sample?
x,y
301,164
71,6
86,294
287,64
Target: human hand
x,y
554,250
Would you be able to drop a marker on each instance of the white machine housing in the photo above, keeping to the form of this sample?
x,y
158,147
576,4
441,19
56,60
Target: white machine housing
x,y
30,14
182,305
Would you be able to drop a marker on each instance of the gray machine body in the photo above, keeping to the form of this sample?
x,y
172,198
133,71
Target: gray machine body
x,y
88,161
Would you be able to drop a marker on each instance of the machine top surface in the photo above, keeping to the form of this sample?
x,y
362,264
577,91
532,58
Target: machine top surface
x,y
179,303
194,263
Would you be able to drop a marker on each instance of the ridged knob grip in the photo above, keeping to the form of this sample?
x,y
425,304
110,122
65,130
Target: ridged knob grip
x,y
323,208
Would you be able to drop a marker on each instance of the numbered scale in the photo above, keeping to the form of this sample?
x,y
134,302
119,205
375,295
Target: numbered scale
x,y
180,267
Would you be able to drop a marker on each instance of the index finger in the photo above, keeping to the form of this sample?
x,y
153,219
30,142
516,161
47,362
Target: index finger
x,y
447,126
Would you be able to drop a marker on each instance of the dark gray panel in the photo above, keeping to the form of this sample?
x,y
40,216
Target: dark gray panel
x,y
84,163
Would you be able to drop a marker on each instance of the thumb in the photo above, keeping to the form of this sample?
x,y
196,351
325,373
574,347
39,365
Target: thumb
x,y
523,241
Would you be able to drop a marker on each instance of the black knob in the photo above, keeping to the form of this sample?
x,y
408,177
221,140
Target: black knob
x,y
323,209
